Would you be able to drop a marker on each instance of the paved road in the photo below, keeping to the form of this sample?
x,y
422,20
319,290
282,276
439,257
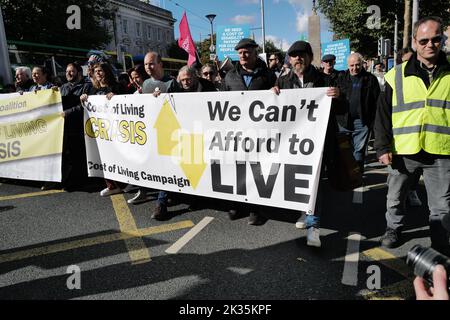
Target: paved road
x,y
122,253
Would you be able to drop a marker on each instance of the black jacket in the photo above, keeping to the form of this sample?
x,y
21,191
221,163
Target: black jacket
x,y
263,79
312,78
331,80
203,85
383,120
73,112
25,86
370,90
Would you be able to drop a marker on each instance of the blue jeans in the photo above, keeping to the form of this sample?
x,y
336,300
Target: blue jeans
x,y
360,139
436,174
313,220
162,199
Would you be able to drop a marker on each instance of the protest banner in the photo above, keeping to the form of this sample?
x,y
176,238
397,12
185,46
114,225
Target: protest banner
x,y
31,135
254,146
341,49
227,38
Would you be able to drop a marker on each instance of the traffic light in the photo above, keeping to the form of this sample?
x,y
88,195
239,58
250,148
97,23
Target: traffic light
x,y
387,47
380,46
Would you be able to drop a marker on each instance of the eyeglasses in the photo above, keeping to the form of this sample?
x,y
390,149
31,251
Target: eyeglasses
x,y
211,73
435,40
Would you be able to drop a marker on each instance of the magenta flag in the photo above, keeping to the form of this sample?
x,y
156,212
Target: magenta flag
x,y
185,42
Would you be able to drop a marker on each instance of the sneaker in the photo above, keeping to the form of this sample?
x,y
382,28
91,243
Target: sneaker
x,y
139,197
301,222
130,188
313,237
234,214
391,239
413,199
51,186
256,219
109,192
159,212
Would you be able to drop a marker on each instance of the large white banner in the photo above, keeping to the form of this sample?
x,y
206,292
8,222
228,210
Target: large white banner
x,y
253,147
31,135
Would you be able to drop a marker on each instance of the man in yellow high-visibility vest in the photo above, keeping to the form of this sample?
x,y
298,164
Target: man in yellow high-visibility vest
x,y
412,132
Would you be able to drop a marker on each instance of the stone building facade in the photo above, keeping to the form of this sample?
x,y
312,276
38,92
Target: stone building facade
x,y
139,27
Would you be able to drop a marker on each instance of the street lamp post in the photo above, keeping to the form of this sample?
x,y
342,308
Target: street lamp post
x,y
212,48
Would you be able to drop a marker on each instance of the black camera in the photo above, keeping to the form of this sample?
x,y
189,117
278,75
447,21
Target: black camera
x,y
424,260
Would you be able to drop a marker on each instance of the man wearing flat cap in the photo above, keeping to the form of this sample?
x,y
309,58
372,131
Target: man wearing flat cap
x,y
327,65
304,75
251,73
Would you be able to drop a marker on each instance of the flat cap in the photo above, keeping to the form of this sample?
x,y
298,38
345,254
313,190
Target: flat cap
x,y
300,46
246,43
329,57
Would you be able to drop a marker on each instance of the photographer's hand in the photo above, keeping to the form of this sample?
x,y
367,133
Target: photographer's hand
x,y
439,292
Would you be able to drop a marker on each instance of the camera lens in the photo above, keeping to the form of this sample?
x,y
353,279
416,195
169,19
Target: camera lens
x,y
424,260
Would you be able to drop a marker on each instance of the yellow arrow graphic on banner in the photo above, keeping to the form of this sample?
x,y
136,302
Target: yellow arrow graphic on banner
x,y
166,125
192,161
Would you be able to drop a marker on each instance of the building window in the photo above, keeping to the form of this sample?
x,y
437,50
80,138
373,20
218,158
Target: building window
x,y
149,32
159,34
125,26
138,29
155,34
168,38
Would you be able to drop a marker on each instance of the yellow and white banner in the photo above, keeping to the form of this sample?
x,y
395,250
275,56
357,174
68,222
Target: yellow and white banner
x,y
253,147
31,135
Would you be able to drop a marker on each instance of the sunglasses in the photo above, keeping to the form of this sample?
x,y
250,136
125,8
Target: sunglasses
x,y
211,73
272,59
297,54
435,40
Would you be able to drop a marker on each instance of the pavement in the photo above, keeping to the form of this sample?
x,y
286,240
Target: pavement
x,y
77,245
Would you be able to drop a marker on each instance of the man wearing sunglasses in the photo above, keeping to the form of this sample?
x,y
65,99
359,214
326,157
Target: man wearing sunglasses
x,y
304,75
412,132
274,64
331,75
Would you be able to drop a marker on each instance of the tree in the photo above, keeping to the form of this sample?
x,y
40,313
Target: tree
x,y
270,48
45,22
348,19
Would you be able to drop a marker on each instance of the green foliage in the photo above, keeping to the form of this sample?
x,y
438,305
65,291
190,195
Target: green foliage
x,y
44,21
348,19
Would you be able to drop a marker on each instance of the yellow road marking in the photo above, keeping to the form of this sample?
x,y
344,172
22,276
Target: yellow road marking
x,y
82,243
136,247
30,194
389,260
398,291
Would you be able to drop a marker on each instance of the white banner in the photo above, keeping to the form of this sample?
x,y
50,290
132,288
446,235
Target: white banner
x,y
253,147
31,135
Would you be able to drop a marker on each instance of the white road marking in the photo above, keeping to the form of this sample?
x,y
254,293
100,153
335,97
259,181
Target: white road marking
x,y
350,273
189,235
358,194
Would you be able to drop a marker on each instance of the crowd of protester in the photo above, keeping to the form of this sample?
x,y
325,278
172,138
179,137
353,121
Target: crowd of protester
x,y
354,93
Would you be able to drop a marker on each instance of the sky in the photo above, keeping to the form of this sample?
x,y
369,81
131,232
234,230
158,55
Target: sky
x,y
285,20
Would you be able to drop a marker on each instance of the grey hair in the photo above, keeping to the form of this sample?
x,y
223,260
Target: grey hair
x,y
27,71
189,70
357,55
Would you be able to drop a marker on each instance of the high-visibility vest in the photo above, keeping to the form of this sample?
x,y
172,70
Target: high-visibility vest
x,y
420,116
